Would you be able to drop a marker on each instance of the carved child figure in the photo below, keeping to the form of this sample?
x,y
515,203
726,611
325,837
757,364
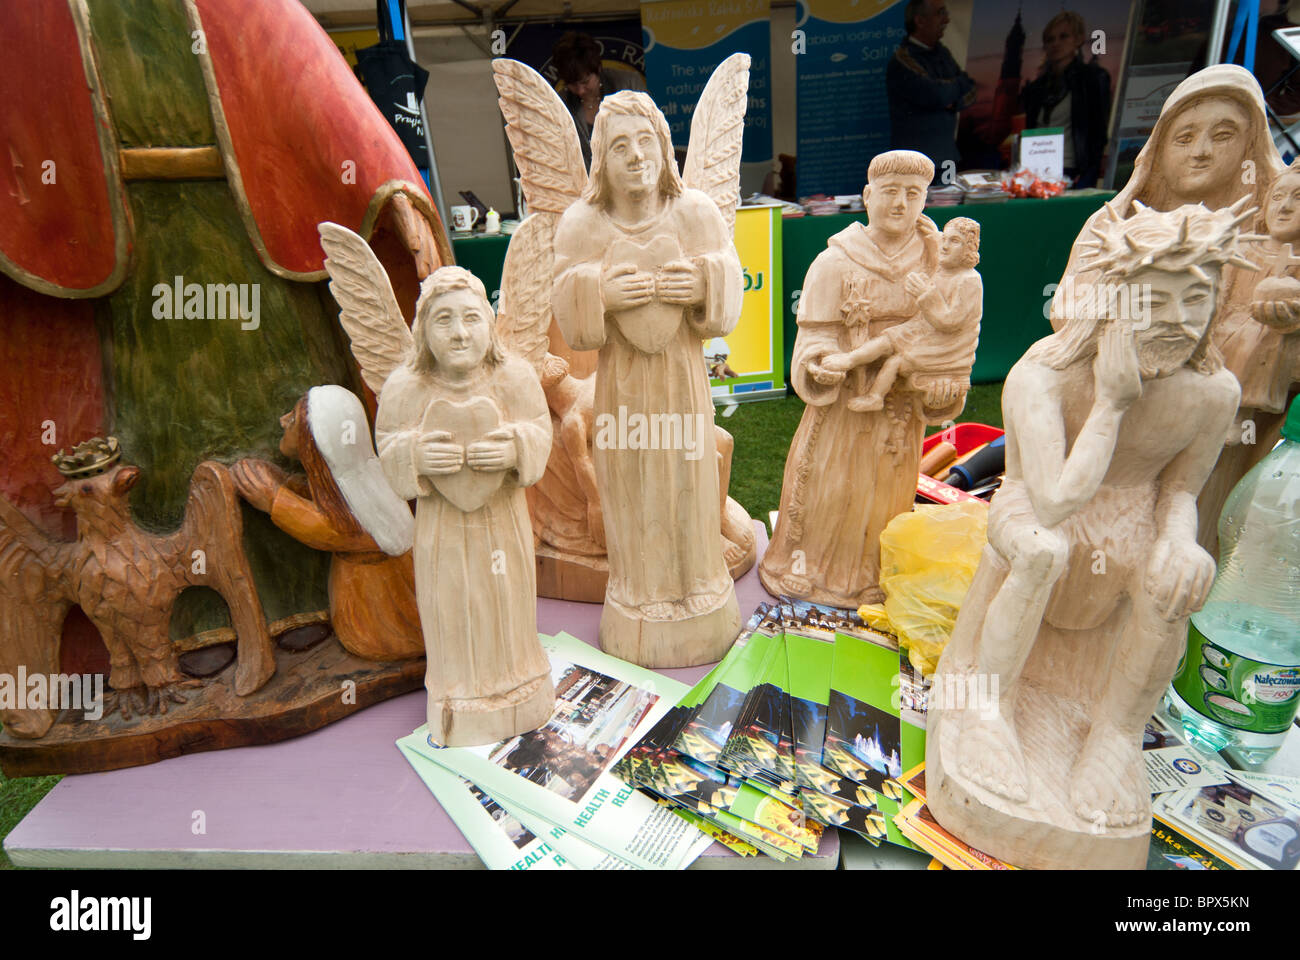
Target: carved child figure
x,y
463,427
940,341
1078,612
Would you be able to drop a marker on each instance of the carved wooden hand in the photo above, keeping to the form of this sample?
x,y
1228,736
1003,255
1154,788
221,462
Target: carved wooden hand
x,y
438,455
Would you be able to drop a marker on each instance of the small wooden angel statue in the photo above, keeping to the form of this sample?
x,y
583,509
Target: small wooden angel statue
x,y
643,269
462,428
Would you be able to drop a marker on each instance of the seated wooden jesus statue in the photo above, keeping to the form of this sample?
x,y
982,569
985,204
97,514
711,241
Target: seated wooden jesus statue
x,y
1078,613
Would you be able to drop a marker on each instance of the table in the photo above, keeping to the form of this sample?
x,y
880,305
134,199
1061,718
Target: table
x,y
338,798
1024,246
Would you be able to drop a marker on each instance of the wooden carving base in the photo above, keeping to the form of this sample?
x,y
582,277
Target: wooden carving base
x,y
568,576
1050,837
582,579
474,723
306,693
660,644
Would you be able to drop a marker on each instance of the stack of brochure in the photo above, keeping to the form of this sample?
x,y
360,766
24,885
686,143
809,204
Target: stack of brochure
x,y
1205,816
547,799
800,727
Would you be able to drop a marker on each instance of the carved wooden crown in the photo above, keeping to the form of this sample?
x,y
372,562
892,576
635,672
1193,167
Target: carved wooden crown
x,y
89,458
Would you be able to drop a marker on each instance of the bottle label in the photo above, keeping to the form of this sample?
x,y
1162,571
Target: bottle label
x,y
1236,691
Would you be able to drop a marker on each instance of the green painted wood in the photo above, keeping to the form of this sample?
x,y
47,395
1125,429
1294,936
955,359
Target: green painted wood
x,y
190,388
146,55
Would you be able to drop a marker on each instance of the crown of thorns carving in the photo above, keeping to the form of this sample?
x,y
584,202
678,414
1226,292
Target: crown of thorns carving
x,y
1179,240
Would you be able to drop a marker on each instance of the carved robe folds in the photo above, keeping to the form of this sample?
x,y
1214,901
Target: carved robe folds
x,y
476,583
661,505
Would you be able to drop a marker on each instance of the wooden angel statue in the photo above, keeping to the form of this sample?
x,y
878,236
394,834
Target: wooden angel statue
x,y
888,325
462,428
346,508
566,505
644,271
1078,612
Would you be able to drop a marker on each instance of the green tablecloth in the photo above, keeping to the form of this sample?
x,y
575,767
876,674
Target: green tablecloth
x,y
1024,246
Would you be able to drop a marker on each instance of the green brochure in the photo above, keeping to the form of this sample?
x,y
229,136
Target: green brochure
x,y
561,772
863,729
507,839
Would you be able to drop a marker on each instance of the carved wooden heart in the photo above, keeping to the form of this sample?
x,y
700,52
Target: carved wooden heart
x,y
650,326
467,422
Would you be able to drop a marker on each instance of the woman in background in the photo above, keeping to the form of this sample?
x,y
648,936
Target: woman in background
x,y
1072,94
584,82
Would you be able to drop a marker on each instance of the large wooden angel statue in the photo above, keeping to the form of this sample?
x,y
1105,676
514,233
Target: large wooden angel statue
x,y
643,270
462,428
567,504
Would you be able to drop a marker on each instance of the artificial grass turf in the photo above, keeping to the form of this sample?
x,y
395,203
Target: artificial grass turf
x,y
762,431
17,797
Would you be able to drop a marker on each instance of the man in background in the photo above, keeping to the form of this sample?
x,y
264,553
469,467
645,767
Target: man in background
x,y
926,88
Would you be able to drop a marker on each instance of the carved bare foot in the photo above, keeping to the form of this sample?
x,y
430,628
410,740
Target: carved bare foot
x,y
795,585
988,752
732,553
1108,782
657,611
866,403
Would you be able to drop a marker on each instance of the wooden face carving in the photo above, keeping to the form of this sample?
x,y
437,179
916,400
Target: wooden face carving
x,y
894,202
1203,149
458,331
633,159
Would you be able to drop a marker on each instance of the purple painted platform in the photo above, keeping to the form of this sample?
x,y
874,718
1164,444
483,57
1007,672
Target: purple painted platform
x,y
341,797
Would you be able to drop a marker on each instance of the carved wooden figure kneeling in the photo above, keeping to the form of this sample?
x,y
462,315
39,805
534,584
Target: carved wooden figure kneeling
x,y
1078,612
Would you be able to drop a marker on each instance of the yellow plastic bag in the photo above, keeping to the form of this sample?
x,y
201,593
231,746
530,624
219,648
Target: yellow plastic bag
x,y
927,561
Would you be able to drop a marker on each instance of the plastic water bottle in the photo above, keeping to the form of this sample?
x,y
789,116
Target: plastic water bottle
x,y
1238,684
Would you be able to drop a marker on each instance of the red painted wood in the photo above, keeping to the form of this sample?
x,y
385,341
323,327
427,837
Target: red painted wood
x,y
52,371
60,231
297,115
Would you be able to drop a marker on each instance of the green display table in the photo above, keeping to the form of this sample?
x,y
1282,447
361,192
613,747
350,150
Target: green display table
x,y
1024,246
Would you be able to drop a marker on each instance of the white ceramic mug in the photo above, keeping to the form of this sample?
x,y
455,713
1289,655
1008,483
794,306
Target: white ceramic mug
x,y
463,218
492,222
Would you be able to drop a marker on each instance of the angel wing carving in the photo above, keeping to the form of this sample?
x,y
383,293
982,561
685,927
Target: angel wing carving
x,y
549,159
717,129
368,309
524,312
543,137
